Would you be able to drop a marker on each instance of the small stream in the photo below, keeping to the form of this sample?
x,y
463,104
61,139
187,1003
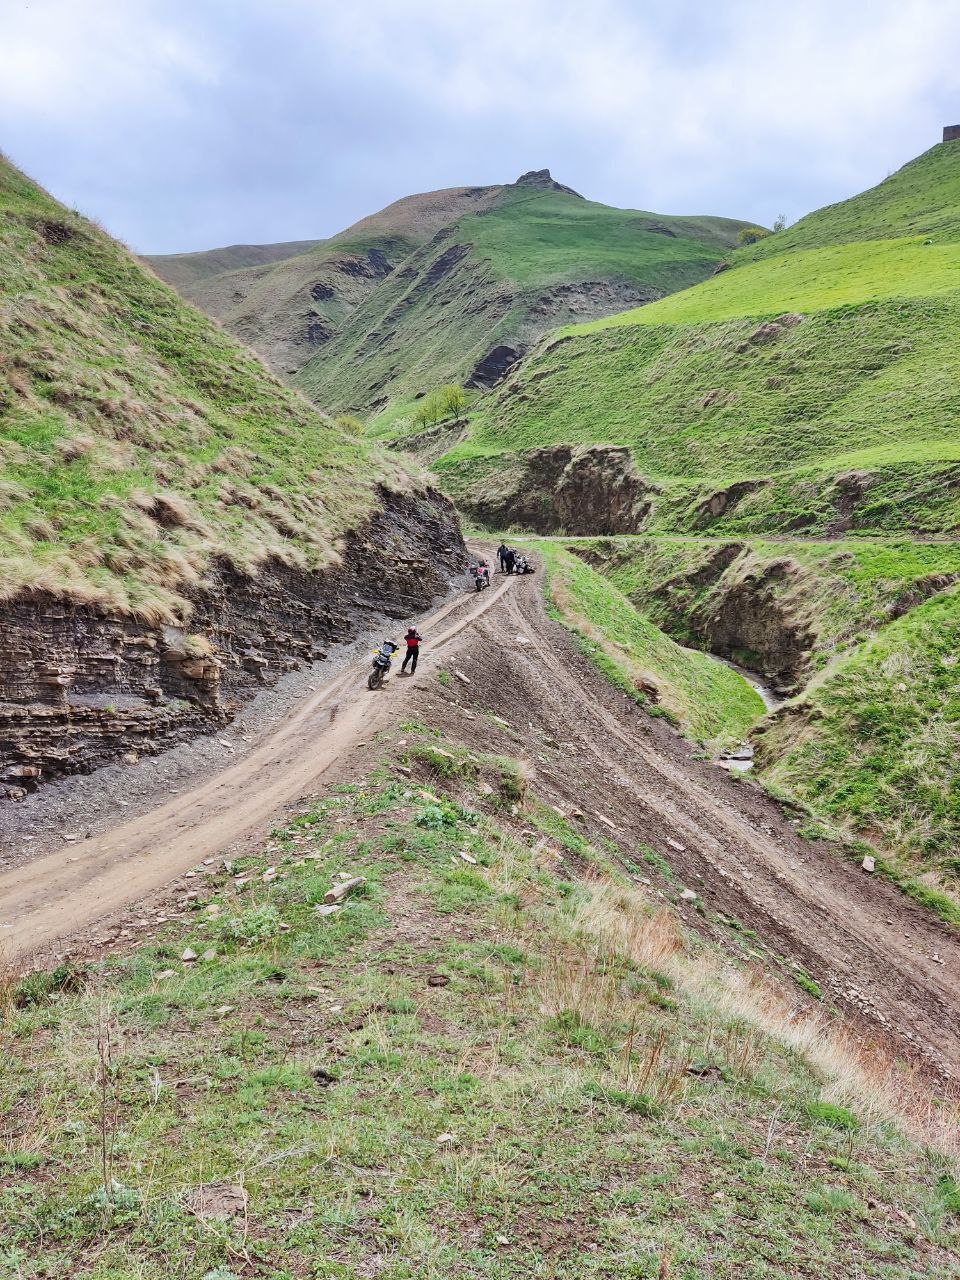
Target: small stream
x,y
770,697
740,759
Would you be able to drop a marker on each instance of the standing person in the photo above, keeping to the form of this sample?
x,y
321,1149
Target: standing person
x,y
503,552
511,560
412,640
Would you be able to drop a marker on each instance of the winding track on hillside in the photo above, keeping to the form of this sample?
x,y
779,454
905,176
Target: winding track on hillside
x,y
870,948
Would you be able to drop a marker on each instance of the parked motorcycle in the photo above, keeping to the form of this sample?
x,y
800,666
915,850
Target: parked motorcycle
x,y
382,658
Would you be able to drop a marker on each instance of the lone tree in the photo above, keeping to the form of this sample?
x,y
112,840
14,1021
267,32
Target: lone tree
x,y
453,400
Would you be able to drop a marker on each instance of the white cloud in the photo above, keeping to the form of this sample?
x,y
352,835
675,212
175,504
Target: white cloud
x,y
740,107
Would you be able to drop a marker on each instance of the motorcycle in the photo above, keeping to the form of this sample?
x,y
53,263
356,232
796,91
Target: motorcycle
x,y
480,575
382,658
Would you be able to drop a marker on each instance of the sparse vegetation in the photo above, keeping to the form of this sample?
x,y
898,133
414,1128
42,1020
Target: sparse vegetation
x,y
447,1076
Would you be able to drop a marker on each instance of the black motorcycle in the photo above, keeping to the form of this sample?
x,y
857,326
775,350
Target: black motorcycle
x,y
382,658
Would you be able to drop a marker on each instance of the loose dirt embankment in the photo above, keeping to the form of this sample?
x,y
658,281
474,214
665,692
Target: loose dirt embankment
x,y
877,955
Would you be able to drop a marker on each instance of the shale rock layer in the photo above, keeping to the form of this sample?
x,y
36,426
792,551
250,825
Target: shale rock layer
x,y
80,687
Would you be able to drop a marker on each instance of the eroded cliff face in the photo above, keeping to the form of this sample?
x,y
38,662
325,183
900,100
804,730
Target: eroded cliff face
x,y
80,687
570,489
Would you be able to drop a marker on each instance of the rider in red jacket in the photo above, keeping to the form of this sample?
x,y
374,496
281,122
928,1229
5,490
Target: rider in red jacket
x,y
412,641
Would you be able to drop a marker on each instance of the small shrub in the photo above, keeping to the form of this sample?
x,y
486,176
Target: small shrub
x,y
35,988
347,422
639,1103
804,980
257,924
572,1027
831,1200
948,1191
830,1114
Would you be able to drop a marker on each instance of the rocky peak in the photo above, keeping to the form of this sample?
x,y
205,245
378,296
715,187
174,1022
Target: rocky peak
x,y
541,179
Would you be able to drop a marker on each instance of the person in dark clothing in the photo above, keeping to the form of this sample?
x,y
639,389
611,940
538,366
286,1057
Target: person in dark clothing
x,y
509,561
503,552
412,641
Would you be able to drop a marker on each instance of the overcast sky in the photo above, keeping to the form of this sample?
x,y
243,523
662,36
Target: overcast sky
x,y
188,124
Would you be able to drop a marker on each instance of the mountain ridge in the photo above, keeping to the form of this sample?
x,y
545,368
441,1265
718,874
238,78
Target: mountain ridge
x,y
302,313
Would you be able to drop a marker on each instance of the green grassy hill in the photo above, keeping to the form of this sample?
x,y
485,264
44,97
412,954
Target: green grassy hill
x,y
494,281
811,390
804,389
185,269
139,441
288,305
864,633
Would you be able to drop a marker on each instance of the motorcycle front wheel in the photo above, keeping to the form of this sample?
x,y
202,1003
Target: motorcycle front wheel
x,y
375,678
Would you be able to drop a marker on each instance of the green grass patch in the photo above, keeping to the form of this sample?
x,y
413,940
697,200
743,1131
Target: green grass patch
x,y
705,697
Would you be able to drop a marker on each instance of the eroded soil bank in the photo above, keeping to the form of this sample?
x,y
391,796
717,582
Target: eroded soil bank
x,y
80,688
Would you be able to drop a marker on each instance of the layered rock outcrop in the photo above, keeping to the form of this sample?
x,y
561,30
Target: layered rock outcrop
x,y
80,687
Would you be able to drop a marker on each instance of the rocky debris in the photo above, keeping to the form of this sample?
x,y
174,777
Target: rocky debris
x,y
723,501
771,330
846,493
584,489
327,910
188,955
869,863
688,895
675,844
217,1200
80,687
438,980
542,180
494,366
462,678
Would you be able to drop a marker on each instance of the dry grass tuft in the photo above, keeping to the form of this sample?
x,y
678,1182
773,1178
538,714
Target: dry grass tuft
x,y
863,1076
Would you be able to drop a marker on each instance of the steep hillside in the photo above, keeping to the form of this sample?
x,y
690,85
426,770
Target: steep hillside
x,y
452,284
811,389
864,633
804,389
176,527
288,305
467,305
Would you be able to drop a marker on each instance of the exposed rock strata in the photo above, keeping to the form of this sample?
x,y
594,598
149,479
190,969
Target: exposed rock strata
x,y
569,489
79,687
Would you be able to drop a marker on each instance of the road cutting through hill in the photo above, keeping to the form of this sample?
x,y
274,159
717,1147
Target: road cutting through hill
x,y
58,894
889,964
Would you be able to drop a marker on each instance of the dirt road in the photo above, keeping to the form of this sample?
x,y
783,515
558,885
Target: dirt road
x,y
57,895
884,960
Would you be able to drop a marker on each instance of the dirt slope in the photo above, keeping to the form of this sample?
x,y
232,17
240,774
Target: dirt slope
x,y
871,950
